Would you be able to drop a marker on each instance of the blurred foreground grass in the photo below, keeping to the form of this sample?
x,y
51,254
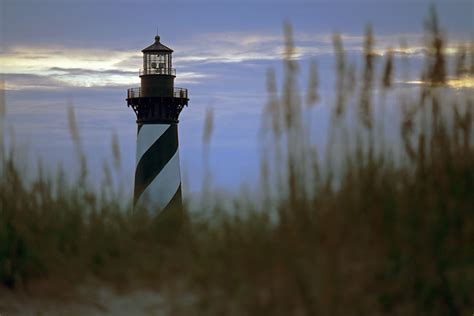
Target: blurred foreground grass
x,y
374,235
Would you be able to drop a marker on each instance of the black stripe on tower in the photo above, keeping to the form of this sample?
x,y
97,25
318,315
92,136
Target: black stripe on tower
x,y
155,159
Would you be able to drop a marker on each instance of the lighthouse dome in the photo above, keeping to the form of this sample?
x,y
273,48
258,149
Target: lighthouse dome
x,y
157,47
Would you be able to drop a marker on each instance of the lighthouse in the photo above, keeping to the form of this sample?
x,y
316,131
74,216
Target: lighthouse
x,y
157,105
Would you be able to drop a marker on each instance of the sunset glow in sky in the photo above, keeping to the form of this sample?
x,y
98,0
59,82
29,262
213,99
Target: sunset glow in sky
x,y
87,53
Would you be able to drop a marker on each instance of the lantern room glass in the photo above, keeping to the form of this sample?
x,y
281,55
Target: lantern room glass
x,y
157,63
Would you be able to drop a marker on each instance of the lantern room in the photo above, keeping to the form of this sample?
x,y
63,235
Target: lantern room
x,y
157,59
157,75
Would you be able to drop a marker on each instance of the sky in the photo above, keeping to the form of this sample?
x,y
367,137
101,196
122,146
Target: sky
x,y
86,54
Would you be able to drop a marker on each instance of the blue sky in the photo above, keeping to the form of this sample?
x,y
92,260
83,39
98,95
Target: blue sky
x,y
87,53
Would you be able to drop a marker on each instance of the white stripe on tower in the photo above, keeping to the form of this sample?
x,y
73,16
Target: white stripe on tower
x,y
165,185
147,135
157,175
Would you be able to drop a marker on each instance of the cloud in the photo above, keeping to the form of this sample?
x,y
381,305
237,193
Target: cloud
x,y
463,82
27,68
22,59
30,82
240,47
80,77
55,67
81,71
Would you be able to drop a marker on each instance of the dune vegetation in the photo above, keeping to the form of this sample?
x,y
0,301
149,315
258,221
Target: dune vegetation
x,y
369,227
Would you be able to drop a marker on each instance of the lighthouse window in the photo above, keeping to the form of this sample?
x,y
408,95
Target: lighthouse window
x,y
162,61
157,63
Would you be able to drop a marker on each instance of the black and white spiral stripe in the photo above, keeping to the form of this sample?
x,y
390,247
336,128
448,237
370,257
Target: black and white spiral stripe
x,y
157,174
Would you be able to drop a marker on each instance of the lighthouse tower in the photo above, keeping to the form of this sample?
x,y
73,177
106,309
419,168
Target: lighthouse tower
x,y
157,104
